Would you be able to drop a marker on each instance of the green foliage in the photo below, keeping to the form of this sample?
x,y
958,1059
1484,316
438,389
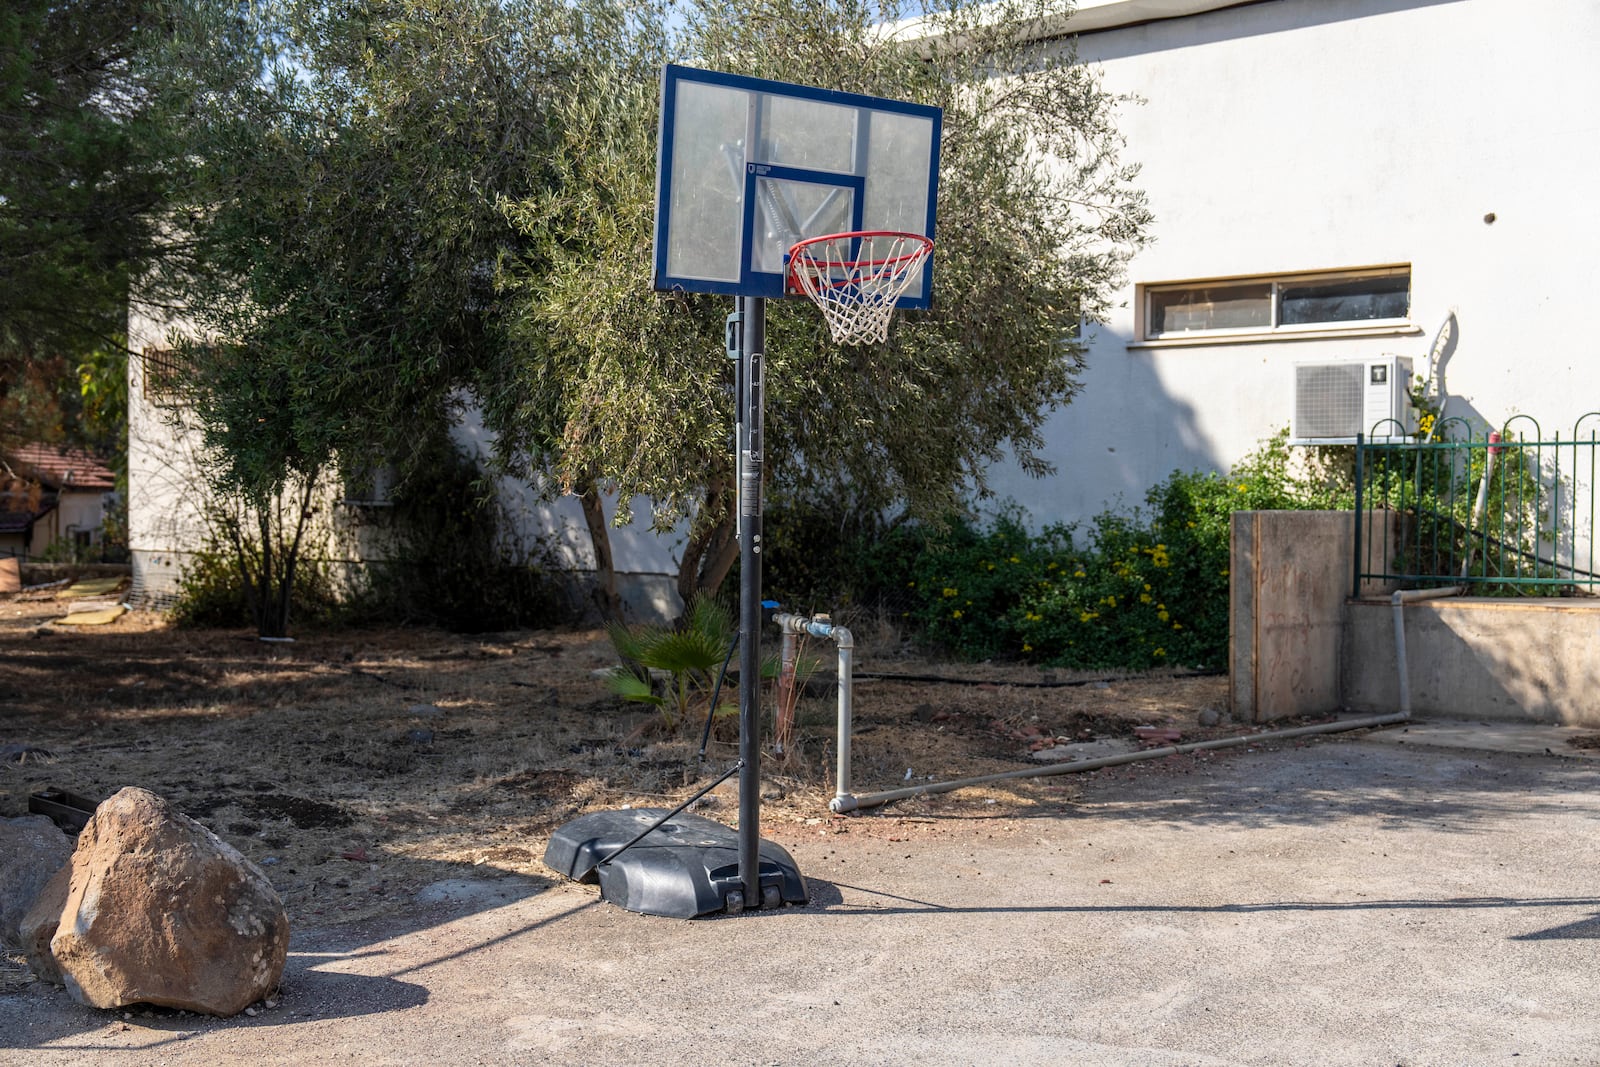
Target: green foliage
x,y
1128,591
214,593
87,149
629,389
821,551
343,229
381,207
264,534
340,229
1461,512
690,654
452,561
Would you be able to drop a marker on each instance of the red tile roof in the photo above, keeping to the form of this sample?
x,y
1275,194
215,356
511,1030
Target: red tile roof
x,y
62,468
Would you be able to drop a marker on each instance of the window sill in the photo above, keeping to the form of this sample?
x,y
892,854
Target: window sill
x,y
1278,336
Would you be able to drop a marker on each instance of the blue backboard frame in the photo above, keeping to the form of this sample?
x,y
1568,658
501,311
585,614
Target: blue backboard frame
x,y
756,272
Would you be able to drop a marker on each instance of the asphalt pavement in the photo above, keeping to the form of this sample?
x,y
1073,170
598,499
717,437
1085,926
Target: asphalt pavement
x,y
1383,898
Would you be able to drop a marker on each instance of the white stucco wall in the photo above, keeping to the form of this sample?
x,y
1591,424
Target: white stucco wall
x,y
646,562
74,512
1299,135
164,496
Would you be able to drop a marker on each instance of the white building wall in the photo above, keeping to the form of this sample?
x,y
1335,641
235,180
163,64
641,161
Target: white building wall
x,y
75,513
165,498
1296,135
166,504
646,563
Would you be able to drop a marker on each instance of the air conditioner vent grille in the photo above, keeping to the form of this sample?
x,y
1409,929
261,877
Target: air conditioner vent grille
x,y
1328,399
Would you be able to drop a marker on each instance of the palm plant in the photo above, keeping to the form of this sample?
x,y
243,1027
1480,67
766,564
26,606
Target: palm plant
x,y
689,654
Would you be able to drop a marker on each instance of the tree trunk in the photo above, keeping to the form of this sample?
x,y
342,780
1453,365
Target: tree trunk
x,y
605,571
710,553
289,561
266,604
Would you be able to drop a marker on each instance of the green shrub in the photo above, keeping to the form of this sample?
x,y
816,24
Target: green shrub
x,y
1125,590
822,553
212,592
690,654
452,562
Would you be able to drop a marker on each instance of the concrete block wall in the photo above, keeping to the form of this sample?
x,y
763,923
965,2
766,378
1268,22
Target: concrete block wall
x,y
1478,658
1289,575
1301,645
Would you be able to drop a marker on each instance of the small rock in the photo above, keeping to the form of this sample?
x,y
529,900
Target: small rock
x,y
252,1012
1210,716
425,711
32,850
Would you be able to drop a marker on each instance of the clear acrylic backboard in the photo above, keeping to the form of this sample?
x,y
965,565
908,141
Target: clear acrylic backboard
x,y
747,167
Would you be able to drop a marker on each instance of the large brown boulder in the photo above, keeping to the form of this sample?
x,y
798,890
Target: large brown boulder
x,y
158,910
32,850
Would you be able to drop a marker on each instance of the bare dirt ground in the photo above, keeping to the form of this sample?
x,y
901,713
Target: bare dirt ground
x,y
358,766
1213,908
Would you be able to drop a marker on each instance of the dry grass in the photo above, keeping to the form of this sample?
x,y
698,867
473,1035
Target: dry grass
x,y
356,766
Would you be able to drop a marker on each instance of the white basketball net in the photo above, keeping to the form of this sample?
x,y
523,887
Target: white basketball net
x,y
855,278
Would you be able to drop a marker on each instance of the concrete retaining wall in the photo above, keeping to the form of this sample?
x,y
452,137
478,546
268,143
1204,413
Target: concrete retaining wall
x,y
1478,658
1301,646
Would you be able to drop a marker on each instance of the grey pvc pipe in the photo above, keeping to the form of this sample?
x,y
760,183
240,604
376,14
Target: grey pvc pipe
x,y
1398,602
820,626
1402,597
844,802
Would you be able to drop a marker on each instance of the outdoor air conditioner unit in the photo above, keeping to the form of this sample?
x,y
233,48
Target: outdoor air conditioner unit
x,y
1336,399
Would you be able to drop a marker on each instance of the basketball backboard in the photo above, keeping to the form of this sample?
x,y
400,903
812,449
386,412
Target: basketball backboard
x,y
747,167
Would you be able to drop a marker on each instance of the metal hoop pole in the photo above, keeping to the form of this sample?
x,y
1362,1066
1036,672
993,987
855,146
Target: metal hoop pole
x,y
752,360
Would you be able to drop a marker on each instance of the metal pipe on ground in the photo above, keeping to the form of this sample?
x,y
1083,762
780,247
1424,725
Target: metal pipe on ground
x,y
844,802
1402,597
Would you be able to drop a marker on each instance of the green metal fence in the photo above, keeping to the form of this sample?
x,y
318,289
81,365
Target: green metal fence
x,y
1502,515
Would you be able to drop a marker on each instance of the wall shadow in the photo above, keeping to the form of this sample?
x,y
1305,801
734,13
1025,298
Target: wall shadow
x,y
1124,431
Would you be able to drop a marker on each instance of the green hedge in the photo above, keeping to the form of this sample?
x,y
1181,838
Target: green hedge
x,y
1126,590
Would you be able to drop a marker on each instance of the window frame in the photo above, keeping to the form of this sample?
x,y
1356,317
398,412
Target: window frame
x,y
1274,329
161,371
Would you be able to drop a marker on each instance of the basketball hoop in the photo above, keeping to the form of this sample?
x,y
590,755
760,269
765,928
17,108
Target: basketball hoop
x,y
855,278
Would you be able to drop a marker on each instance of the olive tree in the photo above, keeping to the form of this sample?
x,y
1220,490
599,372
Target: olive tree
x,y
341,234
618,389
88,147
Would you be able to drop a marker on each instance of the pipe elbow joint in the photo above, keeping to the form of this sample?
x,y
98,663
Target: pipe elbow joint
x,y
842,803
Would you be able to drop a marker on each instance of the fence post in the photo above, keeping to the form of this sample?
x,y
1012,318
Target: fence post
x,y
1355,581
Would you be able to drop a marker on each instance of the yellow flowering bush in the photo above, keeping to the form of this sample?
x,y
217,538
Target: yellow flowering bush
x,y
1124,590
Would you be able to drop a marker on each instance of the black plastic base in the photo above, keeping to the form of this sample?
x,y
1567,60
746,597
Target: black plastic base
x,y
688,866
